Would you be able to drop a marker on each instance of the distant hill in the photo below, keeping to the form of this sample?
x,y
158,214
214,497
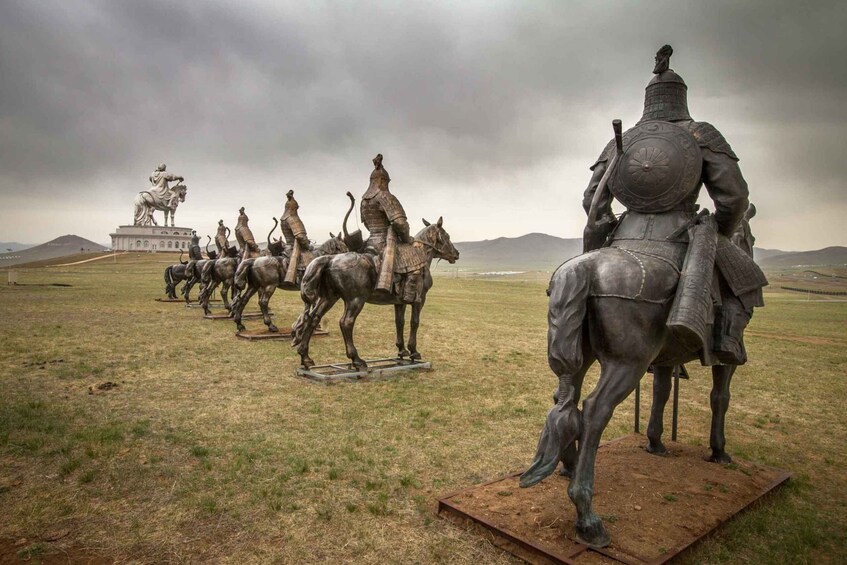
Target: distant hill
x,y
760,254
542,252
59,247
531,252
827,256
10,246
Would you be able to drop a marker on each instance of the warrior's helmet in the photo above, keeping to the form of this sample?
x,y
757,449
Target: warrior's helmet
x,y
161,167
291,205
195,239
666,97
379,176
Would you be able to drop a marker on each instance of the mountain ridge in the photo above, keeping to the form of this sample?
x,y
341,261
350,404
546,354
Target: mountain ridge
x,y
59,247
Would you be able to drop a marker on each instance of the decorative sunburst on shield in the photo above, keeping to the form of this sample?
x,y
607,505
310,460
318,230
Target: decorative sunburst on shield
x,y
649,166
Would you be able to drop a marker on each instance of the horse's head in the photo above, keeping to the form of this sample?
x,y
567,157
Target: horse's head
x,y
434,236
276,247
180,191
333,246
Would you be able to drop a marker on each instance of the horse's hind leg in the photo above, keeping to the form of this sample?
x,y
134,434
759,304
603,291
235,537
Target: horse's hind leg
x,y
400,326
238,307
311,321
265,294
721,377
617,381
662,379
352,308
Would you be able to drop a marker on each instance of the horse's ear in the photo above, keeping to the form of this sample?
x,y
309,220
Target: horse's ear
x,y
425,222
331,236
440,221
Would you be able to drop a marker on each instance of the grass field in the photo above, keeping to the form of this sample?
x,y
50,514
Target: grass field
x,y
210,450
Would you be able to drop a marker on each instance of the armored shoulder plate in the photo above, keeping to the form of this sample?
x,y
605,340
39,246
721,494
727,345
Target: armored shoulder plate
x,y
660,166
709,137
390,205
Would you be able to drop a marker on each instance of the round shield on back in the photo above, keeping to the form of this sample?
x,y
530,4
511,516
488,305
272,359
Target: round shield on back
x,y
660,166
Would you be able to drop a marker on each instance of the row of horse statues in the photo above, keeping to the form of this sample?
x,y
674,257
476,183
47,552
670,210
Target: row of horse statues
x,y
343,267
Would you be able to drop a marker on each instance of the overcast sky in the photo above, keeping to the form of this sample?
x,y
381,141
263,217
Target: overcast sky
x,y
488,113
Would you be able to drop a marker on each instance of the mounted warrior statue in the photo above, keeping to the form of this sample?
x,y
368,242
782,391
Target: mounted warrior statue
x,y
297,246
246,242
401,263
222,239
660,285
159,197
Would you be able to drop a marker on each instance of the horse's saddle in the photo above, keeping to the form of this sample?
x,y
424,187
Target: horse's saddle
x,y
631,275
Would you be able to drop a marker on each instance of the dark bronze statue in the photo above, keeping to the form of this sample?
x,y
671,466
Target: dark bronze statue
x,y
246,242
194,269
660,285
282,267
174,274
222,239
399,276
218,271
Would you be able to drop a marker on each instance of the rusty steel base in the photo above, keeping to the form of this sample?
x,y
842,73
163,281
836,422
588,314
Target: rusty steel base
x,y
225,316
378,369
263,334
672,514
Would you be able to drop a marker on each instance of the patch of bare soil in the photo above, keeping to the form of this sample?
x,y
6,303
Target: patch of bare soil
x,y
652,506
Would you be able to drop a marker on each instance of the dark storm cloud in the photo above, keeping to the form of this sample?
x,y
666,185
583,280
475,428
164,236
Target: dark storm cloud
x,y
466,100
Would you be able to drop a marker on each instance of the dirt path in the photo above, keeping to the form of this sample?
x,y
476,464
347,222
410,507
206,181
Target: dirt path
x,y
101,257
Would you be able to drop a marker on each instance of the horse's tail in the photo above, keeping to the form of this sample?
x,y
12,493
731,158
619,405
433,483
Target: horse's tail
x,y
241,274
310,286
169,279
568,291
206,273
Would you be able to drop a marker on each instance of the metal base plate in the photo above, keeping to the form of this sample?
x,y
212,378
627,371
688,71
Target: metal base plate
x,y
225,316
378,369
654,508
264,334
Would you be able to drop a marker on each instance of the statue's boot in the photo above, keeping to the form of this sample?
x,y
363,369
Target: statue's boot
x,y
560,430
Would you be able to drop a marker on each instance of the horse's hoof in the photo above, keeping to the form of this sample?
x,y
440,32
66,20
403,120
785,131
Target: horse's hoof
x,y
565,472
593,533
403,353
307,362
721,457
415,356
273,329
359,364
656,448
241,327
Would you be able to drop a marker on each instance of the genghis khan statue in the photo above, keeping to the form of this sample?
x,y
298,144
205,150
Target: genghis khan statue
x,y
400,272
656,170
297,245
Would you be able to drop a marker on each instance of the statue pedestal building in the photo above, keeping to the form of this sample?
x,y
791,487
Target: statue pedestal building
x,y
151,238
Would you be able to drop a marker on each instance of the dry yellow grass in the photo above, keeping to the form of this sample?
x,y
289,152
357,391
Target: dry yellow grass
x,y
209,448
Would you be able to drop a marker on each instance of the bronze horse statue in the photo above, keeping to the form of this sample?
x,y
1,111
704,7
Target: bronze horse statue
x,y
267,273
626,337
174,274
352,278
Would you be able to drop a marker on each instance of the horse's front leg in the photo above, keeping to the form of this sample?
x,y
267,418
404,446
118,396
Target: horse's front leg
x,y
400,325
662,380
721,377
617,381
413,328
352,308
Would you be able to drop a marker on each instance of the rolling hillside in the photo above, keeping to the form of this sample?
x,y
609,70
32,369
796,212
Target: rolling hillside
x,y
59,247
531,252
828,256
